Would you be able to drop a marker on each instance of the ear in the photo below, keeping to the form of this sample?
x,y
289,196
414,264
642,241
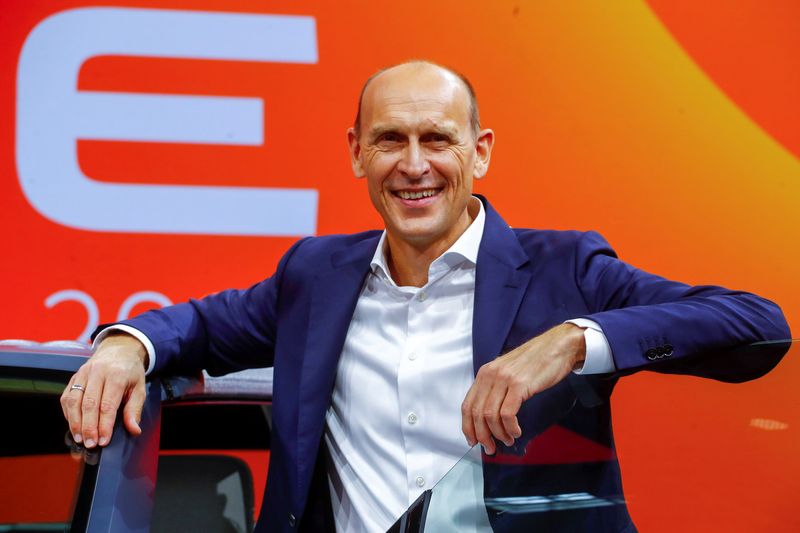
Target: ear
x,y
355,153
483,152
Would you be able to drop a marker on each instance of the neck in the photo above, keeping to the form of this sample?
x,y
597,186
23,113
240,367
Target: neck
x,y
409,262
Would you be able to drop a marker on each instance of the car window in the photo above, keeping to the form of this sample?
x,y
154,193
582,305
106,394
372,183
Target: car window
x,y
212,466
40,467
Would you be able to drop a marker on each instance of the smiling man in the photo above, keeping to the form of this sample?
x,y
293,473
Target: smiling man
x,y
396,351
417,141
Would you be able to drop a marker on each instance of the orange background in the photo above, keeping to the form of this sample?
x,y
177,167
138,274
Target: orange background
x,y
669,126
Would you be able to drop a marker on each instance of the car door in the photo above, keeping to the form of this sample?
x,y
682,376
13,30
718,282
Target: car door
x,y
47,482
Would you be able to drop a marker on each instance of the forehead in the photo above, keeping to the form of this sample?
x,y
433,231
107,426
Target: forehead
x,y
412,95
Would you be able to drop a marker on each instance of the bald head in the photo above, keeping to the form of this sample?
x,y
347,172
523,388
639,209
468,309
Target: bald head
x,y
424,68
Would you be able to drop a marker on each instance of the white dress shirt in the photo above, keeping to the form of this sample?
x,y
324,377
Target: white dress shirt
x,y
394,424
393,428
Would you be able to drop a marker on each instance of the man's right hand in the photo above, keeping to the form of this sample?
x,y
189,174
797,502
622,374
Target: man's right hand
x,y
114,375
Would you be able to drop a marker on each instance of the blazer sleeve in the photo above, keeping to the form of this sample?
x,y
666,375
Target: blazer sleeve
x,y
666,326
224,332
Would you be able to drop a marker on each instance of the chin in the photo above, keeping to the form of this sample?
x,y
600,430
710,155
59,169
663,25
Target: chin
x,y
417,233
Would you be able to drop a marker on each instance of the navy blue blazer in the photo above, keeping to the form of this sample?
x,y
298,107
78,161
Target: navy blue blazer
x,y
526,282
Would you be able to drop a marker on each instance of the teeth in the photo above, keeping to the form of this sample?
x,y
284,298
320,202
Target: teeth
x,y
416,195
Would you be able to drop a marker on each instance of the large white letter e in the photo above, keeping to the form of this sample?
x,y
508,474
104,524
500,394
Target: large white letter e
x,y
52,115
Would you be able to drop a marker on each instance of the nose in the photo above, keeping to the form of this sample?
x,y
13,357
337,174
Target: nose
x,y
413,163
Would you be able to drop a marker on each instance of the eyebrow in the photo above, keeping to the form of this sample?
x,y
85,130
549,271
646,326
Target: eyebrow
x,y
380,129
444,129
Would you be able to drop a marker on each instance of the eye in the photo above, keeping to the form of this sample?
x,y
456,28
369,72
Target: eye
x,y
436,138
389,137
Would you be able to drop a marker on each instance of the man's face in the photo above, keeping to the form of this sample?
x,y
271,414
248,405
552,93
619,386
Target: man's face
x,y
419,153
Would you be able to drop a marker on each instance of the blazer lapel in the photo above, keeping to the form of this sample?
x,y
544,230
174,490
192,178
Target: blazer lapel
x,y
500,284
333,302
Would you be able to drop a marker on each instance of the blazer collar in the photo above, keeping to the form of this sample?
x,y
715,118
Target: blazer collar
x,y
359,253
500,284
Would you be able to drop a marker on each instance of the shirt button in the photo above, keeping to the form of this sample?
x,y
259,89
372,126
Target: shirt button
x,y
422,296
412,356
412,418
420,482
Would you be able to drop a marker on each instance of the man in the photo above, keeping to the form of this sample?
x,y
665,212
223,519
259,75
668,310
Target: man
x,y
385,345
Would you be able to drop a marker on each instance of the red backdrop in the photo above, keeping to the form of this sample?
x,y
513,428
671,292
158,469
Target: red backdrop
x,y
669,126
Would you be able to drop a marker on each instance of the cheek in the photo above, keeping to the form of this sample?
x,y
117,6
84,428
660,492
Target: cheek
x,y
374,186
378,164
368,155
375,195
455,166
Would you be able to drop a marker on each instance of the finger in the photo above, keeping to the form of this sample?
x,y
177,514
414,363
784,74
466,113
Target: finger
x,y
113,390
64,395
90,407
132,414
63,398
467,427
508,413
491,412
472,422
482,432
71,401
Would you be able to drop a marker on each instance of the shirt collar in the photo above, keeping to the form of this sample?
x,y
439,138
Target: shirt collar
x,y
464,249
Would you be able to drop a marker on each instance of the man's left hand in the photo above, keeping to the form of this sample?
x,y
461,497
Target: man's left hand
x,y
492,403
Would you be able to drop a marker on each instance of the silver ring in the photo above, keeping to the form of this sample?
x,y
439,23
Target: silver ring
x,y
77,387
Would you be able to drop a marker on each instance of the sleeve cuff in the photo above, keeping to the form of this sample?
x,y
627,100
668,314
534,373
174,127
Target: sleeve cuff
x,y
141,337
599,359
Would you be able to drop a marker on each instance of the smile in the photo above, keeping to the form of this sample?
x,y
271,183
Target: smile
x,y
416,195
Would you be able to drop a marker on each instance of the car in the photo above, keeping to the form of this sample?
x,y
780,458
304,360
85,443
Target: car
x,y
201,461
199,465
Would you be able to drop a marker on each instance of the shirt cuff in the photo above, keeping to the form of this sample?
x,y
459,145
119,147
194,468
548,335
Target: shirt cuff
x,y
141,337
599,359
